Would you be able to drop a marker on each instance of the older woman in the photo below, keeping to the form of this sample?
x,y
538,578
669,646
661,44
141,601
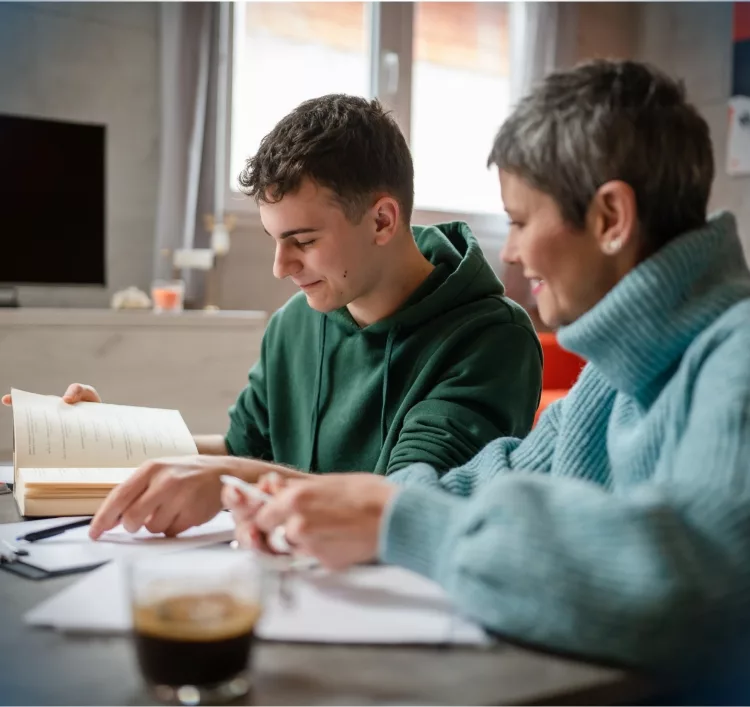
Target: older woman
x,y
620,527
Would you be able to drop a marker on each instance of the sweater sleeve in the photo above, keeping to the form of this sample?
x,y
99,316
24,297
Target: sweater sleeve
x,y
498,457
249,429
591,393
655,575
487,389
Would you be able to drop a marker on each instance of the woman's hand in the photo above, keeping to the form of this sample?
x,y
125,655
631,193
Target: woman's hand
x,y
334,518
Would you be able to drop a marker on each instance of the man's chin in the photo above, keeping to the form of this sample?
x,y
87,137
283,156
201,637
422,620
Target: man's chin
x,y
319,304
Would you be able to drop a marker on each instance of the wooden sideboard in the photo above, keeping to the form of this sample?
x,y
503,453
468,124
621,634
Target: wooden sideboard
x,y
195,362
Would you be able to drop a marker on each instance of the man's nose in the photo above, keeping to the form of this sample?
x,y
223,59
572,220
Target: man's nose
x,y
284,263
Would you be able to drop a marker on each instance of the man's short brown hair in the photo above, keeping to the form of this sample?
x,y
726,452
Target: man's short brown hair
x,y
346,143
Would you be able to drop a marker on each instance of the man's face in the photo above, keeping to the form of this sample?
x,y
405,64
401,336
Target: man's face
x,y
332,260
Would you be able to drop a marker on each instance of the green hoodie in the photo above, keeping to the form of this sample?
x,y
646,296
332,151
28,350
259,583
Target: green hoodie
x,y
457,366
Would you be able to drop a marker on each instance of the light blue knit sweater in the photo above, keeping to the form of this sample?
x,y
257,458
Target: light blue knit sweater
x,y
620,527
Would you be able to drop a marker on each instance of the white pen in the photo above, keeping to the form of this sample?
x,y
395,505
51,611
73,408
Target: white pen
x,y
277,539
248,489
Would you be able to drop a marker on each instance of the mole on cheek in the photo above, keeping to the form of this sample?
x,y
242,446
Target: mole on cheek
x,y
345,272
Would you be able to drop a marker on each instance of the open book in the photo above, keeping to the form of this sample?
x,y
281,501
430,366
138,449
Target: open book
x,y
67,458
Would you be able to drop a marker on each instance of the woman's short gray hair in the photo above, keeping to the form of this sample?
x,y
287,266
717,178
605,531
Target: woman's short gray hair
x,y
613,120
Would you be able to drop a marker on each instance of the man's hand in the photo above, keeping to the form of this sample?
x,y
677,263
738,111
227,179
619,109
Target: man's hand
x,y
76,393
171,495
334,518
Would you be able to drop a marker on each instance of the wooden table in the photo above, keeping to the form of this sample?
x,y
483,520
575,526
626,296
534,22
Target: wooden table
x,y
40,667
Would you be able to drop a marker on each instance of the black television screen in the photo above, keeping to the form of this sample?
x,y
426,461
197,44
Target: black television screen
x,y
52,202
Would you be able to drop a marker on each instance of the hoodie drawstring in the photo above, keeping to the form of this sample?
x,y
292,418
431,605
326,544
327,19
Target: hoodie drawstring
x,y
316,396
386,367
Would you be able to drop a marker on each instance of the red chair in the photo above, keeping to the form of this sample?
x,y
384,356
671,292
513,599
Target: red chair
x,y
561,370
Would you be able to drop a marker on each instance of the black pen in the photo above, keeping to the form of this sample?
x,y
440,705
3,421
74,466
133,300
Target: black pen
x,y
51,532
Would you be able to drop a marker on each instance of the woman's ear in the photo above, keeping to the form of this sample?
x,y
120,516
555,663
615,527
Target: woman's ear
x,y
613,216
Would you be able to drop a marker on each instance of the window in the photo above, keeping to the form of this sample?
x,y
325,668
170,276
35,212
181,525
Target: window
x,y
460,96
442,67
308,48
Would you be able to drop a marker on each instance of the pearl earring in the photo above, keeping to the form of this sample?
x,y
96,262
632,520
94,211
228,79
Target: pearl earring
x,y
613,246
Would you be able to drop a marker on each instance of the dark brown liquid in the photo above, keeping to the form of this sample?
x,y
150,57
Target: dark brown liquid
x,y
194,639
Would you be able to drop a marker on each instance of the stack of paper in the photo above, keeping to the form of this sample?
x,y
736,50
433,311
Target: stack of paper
x,y
74,550
55,484
376,605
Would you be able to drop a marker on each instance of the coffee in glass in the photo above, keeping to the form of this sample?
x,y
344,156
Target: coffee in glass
x,y
193,620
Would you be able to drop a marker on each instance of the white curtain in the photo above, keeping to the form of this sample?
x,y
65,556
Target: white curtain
x,y
189,60
533,44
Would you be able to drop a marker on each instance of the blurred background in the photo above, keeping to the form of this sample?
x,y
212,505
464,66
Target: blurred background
x,y
183,92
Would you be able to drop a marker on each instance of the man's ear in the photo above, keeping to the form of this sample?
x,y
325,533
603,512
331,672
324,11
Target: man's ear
x,y
613,217
385,214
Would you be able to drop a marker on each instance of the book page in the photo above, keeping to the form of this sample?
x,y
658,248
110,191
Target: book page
x,y
51,433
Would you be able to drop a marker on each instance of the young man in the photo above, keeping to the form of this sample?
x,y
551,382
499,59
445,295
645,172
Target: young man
x,y
400,347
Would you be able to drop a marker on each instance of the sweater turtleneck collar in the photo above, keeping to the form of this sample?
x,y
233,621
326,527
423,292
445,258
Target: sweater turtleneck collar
x,y
640,329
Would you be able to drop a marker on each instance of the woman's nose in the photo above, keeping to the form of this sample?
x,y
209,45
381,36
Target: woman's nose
x,y
509,252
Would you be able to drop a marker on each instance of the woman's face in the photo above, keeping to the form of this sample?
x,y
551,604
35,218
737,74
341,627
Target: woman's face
x,y
566,266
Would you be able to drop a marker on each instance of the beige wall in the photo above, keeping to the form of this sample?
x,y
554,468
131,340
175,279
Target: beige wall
x,y
246,280
693,41
607,29
93,62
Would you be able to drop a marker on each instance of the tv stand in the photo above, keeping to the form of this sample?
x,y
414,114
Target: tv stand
x,y
8,297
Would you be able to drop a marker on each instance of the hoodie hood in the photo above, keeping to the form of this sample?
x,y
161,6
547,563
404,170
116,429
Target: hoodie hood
x,y
462,275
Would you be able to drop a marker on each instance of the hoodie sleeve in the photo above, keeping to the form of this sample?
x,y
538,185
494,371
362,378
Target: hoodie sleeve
x,y
249,431
484,392
647,575
499,457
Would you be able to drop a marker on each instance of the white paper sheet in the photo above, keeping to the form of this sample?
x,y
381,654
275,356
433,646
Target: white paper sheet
x,y
375,605
73,549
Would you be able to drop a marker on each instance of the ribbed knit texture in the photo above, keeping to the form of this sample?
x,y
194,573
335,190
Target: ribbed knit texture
x,y
620,527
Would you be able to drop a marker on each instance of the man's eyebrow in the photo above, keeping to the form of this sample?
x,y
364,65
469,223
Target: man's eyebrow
x,y
293,232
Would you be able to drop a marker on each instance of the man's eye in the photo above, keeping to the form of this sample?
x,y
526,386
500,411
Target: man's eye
x,y
304,244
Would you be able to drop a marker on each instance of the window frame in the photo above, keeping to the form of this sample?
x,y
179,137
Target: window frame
x,y
391,33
